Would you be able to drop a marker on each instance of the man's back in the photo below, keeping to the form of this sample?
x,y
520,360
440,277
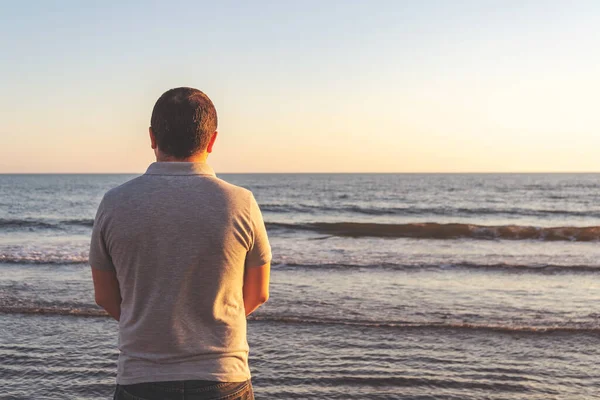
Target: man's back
x,y
180,240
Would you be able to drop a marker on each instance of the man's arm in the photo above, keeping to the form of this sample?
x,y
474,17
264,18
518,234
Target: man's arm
x,y
107,292
256,287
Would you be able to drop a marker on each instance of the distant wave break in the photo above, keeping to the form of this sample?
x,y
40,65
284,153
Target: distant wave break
x,y
504,267
95,312
424,211
425,230
433,230
35,259
44,224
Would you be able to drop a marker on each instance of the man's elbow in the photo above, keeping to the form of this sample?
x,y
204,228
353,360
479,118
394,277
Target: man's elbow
x,y
104,300
100,300
263,297
259,298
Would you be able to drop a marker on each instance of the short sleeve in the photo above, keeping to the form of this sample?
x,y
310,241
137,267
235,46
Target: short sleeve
x,y
99,257
259,253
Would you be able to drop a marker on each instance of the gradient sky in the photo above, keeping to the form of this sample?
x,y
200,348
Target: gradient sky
x,y
306,86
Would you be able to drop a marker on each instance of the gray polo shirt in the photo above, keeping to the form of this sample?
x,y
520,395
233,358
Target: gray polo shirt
x,y
179,240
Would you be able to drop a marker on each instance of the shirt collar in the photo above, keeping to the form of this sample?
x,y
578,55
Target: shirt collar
x,y
179,168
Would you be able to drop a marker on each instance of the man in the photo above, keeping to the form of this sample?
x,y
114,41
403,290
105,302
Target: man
x,y
180,258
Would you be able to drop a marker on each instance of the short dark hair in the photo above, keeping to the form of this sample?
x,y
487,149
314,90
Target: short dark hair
x,y
183,120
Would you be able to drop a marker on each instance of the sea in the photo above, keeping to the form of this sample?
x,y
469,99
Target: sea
x,y
384,286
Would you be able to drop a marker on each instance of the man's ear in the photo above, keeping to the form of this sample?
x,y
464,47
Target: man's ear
x,y
152,138
211,143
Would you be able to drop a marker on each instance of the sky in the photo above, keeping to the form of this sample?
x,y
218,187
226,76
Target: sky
x,y
306,86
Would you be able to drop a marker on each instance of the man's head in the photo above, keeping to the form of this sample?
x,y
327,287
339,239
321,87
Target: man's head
x,y
183,124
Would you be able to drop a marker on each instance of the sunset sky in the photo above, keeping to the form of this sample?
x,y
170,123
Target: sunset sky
x,y
306,86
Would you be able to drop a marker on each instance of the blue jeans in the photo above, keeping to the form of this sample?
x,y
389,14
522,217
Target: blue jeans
x,y
185,390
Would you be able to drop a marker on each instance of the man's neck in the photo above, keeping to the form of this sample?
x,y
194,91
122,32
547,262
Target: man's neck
x,y
196,158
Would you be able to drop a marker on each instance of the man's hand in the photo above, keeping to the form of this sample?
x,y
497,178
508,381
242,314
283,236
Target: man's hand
x,y
106,291
256,287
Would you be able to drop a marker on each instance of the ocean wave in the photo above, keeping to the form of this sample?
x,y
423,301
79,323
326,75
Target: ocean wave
x,y
35,259
78,222
430,325
25,223
518,268
83,311
424,211
51,310
433,230
44,224
400,382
